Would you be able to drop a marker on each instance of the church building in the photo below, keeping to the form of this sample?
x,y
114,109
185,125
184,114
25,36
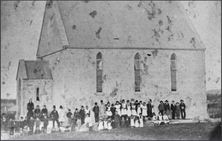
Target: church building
x,y
111,50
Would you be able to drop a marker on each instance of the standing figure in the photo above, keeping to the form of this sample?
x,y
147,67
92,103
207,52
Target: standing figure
x,y
82,114
30,108
11,126
62,115
69,116
173,109
108,110
132,121
109,124
117,120
167,108
149,109
117,106
55,116
87,110
96,112
44,111
46,123
144,110
37,112
137,122
178,110
113,110
133,109
37,123
141,120
31,125
102,109
182,109
88,122
161,107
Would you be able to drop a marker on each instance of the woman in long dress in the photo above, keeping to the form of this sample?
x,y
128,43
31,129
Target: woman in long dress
x,y
62,115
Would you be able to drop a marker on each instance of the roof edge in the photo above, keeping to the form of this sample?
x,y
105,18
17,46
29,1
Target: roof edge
x,y
190,24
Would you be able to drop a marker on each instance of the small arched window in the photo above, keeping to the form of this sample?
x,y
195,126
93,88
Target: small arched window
x,y
137,71
37,94
99,72
173,70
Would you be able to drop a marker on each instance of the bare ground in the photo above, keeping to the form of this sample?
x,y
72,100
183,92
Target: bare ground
x,y
188,131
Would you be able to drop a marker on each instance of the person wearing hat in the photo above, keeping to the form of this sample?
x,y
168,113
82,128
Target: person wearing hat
x,y
44,111
96,112
173,109
54,116
182,109
149,109
167,108
37,111
161,107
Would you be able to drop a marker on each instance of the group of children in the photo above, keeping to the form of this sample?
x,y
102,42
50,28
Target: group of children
x,y
108,116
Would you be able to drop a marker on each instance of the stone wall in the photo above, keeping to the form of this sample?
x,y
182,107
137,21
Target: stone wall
x,y
29,91
74,74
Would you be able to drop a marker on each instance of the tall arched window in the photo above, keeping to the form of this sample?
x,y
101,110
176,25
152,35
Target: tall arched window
x,y
37,94
173,70
99,72
137,71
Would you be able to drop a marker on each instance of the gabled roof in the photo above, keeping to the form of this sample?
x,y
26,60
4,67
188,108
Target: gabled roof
x,y
95,24
37,69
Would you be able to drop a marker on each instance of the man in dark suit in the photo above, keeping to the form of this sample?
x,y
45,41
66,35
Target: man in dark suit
x,y
55,116
182,109
173,109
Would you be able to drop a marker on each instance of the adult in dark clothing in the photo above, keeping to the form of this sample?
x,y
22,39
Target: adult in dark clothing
x,y
167,108
76,116
82,115
69,116
113,110
161,107
44,111
37,111
117,120
54,116
30,108
96,112
182,109
149,109
173,109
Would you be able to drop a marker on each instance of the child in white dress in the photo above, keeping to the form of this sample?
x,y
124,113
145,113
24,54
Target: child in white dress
x,y
137,122
132,125
141,120
109,124
100,127
105,123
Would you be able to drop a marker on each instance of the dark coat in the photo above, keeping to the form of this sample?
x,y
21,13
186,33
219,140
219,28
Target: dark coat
x,y
45,111
76,115
167,107
96,109
69,114
182,106
54,114
117,118
82,113
30,106
173,107
11,124
161,107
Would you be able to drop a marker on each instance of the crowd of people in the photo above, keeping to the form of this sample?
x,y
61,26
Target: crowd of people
x,y
108,115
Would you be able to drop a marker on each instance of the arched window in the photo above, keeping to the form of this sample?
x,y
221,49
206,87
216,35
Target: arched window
x,y
99,72
37,94
173,70
137,71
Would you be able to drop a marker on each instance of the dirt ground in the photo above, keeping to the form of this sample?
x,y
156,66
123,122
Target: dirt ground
x,y
188,131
